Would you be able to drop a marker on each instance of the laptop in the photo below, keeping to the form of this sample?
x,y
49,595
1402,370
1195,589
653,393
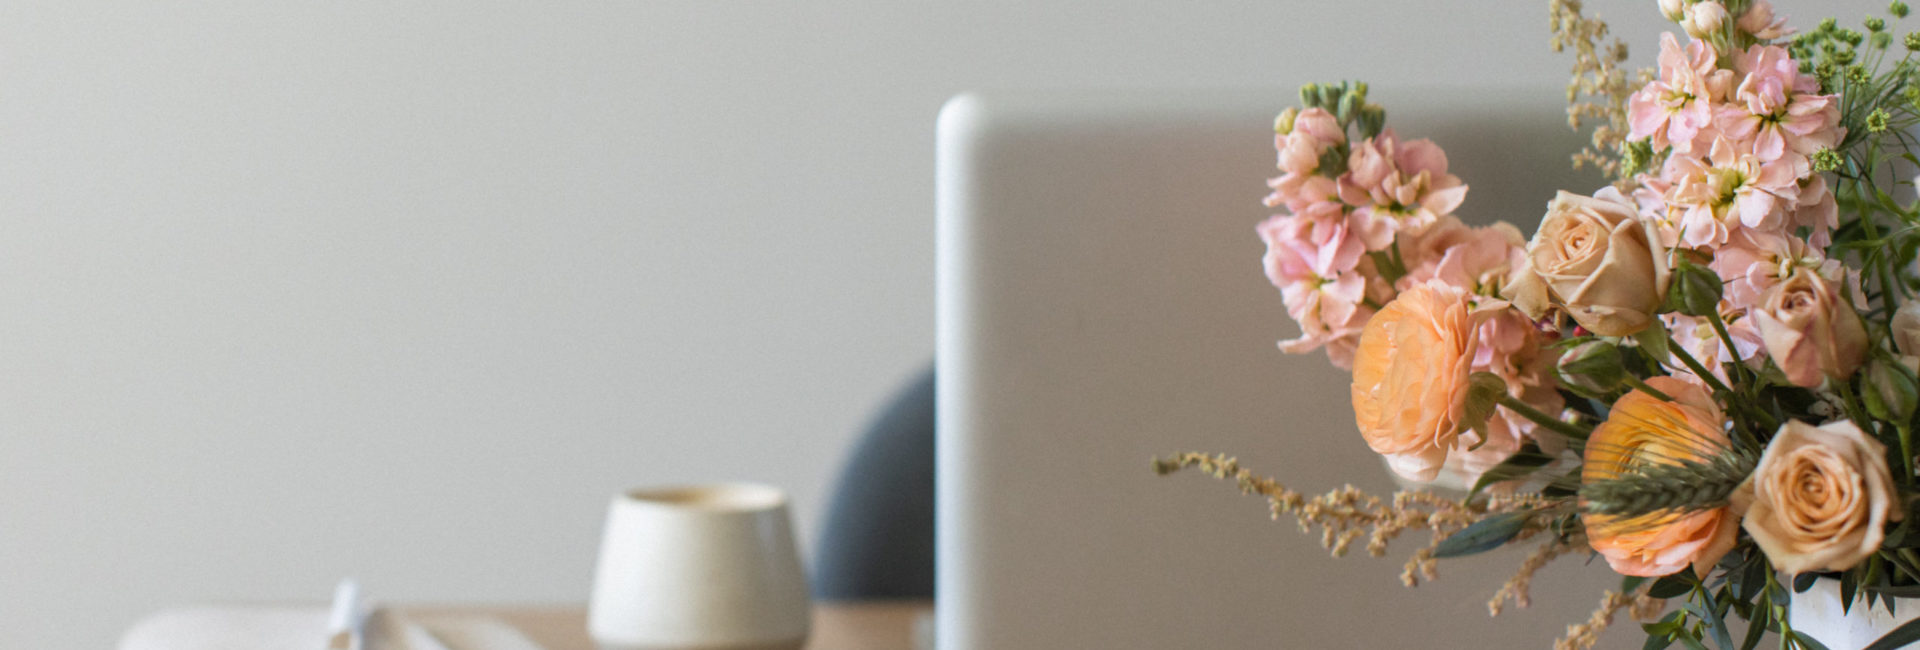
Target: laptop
x,y
1101,303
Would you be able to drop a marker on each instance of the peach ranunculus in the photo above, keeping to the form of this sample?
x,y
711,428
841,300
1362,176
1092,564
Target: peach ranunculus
x,y
1642,429
1820,497
1410,377
1596,259
1810,329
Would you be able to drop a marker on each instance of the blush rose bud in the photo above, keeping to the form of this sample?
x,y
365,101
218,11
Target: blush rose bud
x,y
1674,10
1891,391
1810,330
1593,368
1704,20
1695,291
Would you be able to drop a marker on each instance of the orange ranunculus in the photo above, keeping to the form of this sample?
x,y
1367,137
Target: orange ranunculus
x,y
1410,377
1643,429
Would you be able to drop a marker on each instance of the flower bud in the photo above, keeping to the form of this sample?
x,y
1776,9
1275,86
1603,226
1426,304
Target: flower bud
x,y
1283,124
1704,19
1891,391
1810,329
1695,291
1674,10
1905,330
1594,367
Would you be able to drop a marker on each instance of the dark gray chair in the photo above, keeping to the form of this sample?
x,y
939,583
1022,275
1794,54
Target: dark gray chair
x,y
877,541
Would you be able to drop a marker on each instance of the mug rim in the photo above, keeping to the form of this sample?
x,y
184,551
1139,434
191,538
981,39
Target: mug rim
x,y
708,497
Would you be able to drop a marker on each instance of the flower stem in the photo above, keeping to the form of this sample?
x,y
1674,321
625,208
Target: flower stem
x,y
1694,365
1906,446
1642,386
1562,427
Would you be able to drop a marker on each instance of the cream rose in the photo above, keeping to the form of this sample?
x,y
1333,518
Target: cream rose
x,y
1810,330
1596,259
1820,497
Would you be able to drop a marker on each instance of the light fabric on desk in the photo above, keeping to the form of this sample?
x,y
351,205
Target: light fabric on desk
x,y
305,628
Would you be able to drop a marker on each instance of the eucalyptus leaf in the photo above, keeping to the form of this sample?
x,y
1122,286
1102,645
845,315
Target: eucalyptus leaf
x,y
1484,535
1809,642
1672,586
1899,637
1519,465
1756,628
1803,582
1715,621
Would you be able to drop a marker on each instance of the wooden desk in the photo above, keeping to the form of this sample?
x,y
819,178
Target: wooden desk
x,y
878,625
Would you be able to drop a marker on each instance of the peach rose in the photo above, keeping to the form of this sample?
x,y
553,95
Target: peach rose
x,y
1410,377
1821,496
1643,429
1810,330
1594,258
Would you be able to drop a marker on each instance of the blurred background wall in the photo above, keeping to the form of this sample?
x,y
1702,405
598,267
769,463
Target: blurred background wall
x,y
405,290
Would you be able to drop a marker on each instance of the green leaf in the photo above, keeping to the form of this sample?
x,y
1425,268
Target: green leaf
x,y
1808,642
1756,628
1899,637
1902,591
1629,583
1803,582
1672,586
1691,642
1753,580
1709,613
1519,465
1849,586
1654,341
1484,535
1657,642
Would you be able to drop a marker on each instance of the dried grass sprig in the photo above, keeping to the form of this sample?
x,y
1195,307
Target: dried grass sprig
x,y
1585,635
1346,514
1599,88
1517,588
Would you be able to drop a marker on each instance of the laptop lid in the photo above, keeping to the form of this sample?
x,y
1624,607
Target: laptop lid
x,y
1101,302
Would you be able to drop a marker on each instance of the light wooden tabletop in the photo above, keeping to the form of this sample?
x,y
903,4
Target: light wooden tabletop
x,y
876,625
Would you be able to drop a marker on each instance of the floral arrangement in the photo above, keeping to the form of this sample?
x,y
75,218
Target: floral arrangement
x,y
1704,373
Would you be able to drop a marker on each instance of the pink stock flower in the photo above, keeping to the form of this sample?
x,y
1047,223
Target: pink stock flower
x,y
1752,262
1777,112
1476,260
1514,348
1730,189
1321,283
1673,109
1398,187
1301,181
1816,210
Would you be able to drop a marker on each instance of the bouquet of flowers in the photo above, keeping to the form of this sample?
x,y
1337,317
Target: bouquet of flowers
x,y
1704,373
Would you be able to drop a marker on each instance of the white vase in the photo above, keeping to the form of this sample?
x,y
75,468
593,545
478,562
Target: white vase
x,y
1816,612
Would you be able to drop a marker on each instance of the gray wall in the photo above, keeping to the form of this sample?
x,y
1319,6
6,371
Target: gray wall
x,y
405,290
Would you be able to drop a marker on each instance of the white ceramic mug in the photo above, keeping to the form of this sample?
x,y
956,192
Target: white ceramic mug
x,y
709,566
